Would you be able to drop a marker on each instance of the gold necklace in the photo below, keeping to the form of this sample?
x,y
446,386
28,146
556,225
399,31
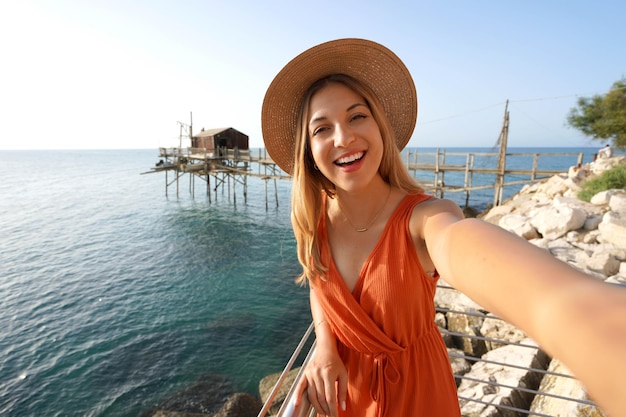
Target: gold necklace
x,y
364,229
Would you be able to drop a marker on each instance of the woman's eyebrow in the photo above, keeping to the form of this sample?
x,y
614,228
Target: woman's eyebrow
x,y
356,105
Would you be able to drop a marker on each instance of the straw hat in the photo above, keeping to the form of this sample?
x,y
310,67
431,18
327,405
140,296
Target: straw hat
x,y
366,61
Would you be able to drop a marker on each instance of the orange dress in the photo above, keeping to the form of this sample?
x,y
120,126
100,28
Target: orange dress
x,y
397,362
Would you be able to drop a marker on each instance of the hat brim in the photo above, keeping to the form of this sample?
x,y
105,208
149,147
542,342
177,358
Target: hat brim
x,y
368,62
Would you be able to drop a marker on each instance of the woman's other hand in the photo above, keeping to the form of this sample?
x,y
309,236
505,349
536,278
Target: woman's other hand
x,y
326,382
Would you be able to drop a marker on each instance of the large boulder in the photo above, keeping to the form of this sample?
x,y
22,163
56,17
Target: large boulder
x,y
613,229
603,197
468,323
555,185
499,332
266,385
563,396
492,382
520,225
554,222
617,202
240,405
600,165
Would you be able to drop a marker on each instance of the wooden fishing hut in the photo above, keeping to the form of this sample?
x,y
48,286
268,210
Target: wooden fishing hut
x,y
214,140
222,154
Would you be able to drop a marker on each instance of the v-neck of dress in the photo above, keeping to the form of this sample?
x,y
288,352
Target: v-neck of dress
x,y
358,286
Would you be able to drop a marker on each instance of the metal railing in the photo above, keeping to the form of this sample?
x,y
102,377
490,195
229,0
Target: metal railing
x,y
288,408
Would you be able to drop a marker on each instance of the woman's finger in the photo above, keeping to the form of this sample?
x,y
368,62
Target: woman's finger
x,y
312,393
302,385
331,399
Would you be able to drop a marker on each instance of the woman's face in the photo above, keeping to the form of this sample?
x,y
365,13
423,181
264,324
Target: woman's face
x,y
345,140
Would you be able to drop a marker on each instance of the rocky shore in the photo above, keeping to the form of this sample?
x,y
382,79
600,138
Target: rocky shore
x,y
589,236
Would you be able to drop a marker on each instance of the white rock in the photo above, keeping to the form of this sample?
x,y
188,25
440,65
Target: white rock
x,y
453,299
592,236
520,225
617,202
613,229
501,377
619,253
562,249
592,222
604,263
576,203
560,386
619,279
572,185
603,164
554,222
497,330
556,185
577,174
602,198
497,212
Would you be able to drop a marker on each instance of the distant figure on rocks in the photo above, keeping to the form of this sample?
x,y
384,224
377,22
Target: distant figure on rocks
x,y
605,152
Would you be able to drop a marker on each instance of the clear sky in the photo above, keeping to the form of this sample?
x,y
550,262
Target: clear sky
x,y
117,74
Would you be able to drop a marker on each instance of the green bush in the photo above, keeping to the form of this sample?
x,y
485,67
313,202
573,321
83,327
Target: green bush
x,y
614,178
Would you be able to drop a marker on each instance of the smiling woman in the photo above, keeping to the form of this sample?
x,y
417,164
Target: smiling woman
x,y
372,246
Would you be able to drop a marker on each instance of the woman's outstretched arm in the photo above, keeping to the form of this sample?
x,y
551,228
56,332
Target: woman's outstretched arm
x,y
573,316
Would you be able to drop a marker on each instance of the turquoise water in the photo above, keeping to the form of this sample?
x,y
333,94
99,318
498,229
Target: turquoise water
x,y
115,297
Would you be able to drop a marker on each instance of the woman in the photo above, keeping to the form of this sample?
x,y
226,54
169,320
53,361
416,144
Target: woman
x,y
372,246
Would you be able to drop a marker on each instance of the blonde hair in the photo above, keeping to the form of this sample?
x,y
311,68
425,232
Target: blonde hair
x,y
309,183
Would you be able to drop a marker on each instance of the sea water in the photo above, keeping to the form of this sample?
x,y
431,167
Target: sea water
x,y
115,296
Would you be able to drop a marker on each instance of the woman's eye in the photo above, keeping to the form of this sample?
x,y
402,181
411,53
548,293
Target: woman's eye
x,y
318,130
358,116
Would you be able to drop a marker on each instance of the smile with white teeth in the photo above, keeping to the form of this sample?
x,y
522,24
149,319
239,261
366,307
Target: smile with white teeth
x,y
347,160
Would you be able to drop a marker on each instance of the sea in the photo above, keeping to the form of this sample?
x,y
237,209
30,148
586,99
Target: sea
x,y
119,294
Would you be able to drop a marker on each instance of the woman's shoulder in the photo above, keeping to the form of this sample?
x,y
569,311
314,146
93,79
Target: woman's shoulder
x,y
432,208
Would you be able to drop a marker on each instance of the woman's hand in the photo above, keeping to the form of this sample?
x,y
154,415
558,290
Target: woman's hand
x,y
326,382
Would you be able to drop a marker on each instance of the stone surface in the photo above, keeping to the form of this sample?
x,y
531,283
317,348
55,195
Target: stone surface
x,y
240,405
559,383
613,229
519,224
267,385
492,390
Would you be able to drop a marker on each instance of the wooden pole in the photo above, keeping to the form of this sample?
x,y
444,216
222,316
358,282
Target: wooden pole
x,y
504,134
443,173
437,173
208,186
466,180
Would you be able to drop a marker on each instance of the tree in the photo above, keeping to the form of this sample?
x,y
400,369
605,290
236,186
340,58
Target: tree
x,y
602,116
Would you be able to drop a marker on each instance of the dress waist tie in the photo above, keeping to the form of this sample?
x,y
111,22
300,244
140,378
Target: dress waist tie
x,y
385,372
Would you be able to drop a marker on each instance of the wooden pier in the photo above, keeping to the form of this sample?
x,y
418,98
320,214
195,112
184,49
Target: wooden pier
x,y
227,169
221,169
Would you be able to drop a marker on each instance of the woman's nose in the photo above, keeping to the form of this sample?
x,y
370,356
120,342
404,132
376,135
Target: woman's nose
x,y
343,136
